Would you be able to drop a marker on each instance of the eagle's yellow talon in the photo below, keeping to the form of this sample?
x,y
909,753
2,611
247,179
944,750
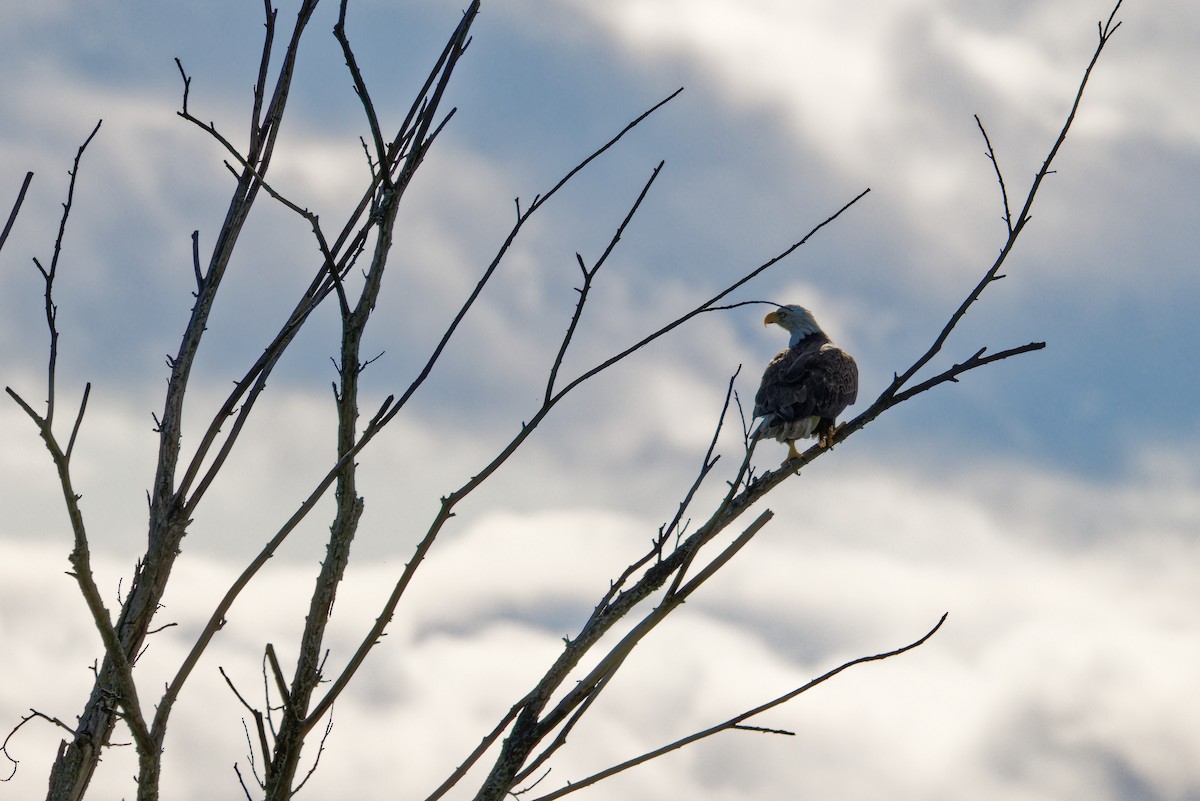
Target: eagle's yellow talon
x,y
826,440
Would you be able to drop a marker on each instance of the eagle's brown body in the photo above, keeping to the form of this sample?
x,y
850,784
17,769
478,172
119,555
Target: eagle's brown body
x,y
805,387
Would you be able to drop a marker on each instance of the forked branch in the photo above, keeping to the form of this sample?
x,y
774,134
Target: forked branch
x,y
80,556
737,721
513,764
1107,29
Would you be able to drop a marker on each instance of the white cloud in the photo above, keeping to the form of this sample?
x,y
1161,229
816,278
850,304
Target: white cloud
x,y
883,95
728,40
1068,659
1051,659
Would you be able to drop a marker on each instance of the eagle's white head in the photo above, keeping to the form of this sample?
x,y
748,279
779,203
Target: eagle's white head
x,y
798,321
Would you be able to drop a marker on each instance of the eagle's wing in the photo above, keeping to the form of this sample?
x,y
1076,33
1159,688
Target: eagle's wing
x,y
819,380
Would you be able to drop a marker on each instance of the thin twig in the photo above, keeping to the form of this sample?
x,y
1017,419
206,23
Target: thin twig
x,y
360,88
320,750
589,275
16,209
280,681
764,730
242,782
196,269
33,715
49,275
991,154
706,465
87,390
258,721
260,87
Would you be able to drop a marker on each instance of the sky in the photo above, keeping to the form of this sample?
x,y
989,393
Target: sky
x,y
1050,504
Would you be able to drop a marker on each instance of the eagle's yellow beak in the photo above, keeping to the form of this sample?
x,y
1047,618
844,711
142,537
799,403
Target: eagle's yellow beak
x,y
773,317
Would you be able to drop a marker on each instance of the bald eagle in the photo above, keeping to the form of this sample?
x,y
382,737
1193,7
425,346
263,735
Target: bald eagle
x,y
805,387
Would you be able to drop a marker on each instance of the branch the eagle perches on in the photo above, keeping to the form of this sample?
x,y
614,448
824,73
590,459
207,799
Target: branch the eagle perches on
x,y
671,570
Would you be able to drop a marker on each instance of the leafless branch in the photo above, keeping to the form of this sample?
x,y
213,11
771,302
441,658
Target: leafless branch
x,y
531,725
280,681
264,66
248,168
451,500
16,209
33,715
589,274
49,275
746,303
87,389
360,89
485,744
764,730
711,457
539,201
537,726
76,762
589,689
539,780
259,726
1014,229
991,155
710,304
560,738
242,782
80,557
349,243
736,721
320,750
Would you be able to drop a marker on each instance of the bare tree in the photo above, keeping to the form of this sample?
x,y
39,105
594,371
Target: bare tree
x,y
350,270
